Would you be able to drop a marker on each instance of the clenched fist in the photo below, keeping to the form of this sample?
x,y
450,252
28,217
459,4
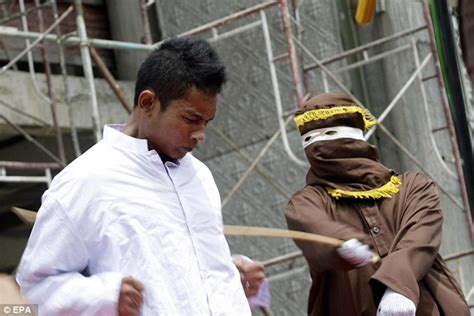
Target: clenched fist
x,y
251,274
131,298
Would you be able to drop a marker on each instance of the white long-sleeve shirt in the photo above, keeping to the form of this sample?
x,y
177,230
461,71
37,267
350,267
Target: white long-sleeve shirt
x,y
117,210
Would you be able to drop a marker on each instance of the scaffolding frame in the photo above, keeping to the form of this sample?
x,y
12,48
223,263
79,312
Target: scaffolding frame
x,y
298,72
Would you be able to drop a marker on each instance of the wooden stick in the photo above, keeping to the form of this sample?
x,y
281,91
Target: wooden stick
x,y
28,217
233,230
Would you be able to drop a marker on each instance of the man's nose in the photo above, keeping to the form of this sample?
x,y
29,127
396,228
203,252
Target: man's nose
x,y
199,136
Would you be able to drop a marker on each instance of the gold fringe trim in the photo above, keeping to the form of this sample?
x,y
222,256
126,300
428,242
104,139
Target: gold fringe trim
x,y
322,114
386,191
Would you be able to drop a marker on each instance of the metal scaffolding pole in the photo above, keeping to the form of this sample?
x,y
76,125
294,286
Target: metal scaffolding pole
x,y
419,164
426,107
270,179
229,18
51,95
67,101
75,40
252,166
291,52
32,140
238,30
26,12
276,92
146,22
19,165
22,113
29,57
365,47
87,66
37,40
26,179
283,258
368,60
399,95
111,81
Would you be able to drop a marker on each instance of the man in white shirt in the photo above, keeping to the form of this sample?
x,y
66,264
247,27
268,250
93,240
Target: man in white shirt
x,y
134,225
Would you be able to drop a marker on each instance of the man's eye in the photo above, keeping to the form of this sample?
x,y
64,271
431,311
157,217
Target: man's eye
x,y
307,138
330,132
190,120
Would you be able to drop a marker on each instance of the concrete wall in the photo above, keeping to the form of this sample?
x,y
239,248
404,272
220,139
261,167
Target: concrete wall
x,y
17,90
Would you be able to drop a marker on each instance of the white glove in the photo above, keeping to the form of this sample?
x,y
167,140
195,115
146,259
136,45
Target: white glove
x,y
355,253
395,304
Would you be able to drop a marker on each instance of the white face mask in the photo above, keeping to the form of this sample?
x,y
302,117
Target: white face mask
x,y
330,133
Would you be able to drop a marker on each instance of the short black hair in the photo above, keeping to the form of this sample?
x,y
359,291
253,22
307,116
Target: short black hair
x,y
176,66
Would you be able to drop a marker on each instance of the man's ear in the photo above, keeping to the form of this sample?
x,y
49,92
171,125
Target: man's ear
x,y
147,101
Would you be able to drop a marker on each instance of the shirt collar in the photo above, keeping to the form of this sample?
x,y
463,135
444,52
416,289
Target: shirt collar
x,y
114,136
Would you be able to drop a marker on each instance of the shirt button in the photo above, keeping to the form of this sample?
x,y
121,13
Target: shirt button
x,y
154,158
376,230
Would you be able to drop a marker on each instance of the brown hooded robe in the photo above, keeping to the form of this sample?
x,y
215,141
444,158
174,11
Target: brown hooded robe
x,y
405,230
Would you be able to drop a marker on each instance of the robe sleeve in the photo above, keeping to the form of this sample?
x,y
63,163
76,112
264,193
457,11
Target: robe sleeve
x,y
417,241
307,212
50,269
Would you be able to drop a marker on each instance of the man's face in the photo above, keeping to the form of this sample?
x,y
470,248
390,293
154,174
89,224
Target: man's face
x,y
180,127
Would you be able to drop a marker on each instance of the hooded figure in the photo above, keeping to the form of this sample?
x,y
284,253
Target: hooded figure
x,y
351,196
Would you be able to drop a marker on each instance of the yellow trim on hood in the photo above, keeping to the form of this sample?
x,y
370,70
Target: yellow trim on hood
x,y
322,114
386,191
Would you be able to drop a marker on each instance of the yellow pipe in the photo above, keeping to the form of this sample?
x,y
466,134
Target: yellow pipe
x,y
365,11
